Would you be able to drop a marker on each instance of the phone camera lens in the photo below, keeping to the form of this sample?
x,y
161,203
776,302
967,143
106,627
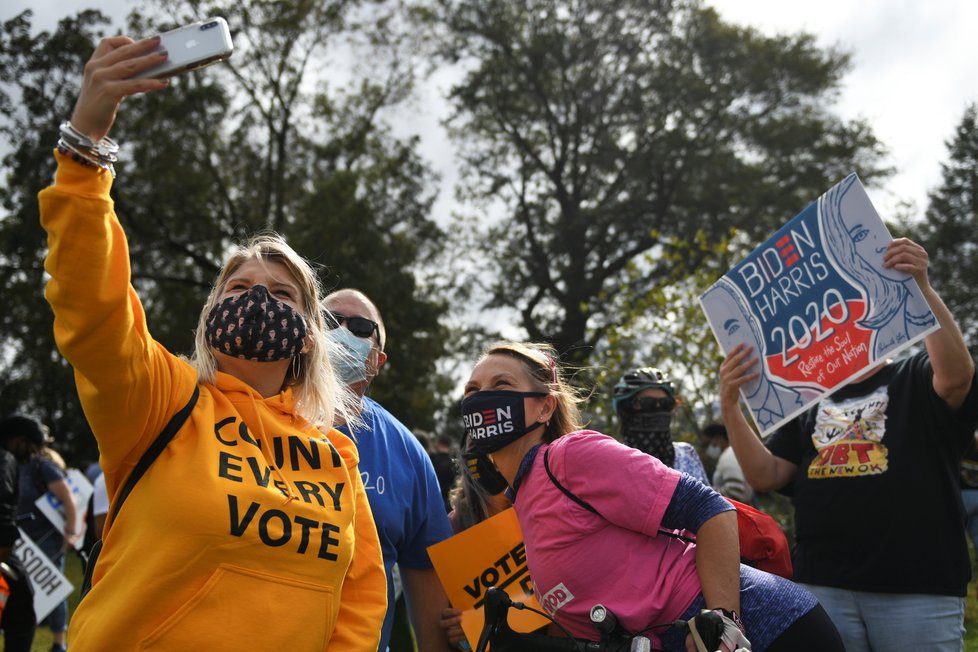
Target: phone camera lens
x,y
209,25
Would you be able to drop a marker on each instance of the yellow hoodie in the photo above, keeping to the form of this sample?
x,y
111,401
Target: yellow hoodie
x,y
252,530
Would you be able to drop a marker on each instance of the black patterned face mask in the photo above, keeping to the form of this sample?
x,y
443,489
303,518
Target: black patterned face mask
x,y
254,326
649,433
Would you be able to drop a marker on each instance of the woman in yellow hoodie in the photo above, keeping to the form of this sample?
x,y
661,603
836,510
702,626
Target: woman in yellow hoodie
x,y
251,531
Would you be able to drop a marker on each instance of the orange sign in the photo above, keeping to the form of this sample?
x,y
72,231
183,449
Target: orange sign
x,y
488,554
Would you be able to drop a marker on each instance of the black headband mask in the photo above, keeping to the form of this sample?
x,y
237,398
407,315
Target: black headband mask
x,y
645,425
495,419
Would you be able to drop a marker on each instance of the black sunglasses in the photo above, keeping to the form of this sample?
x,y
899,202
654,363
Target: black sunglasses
x,y
652,404
359,326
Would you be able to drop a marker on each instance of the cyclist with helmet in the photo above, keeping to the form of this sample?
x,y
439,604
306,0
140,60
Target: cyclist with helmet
x,y
644,400
605,523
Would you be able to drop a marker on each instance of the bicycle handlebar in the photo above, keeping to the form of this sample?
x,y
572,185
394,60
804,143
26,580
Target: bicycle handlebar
x,y
497,631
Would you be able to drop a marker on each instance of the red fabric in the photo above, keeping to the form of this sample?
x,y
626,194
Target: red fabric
x,y
762,541
4,593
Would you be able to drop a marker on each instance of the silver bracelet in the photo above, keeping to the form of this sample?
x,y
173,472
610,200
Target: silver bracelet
x,y
103,153
83,157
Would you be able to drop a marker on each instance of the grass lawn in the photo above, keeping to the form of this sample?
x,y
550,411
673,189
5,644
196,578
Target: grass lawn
x,y
42,640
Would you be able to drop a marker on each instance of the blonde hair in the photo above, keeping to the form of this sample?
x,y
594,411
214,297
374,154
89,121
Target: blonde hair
x,y
540,363
52,455
320,398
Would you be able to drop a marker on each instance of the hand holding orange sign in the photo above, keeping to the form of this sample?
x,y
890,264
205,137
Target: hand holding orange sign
x,y
488,554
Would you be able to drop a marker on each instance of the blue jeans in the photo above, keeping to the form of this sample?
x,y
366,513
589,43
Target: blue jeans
x,y
891,622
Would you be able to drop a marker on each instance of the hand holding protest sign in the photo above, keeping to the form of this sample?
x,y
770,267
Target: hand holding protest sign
x,y
820,302
488,554
54,510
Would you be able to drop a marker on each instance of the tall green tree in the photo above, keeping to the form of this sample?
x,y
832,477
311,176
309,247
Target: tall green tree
x,y
950,230
597,133
38,80
270,140
666,328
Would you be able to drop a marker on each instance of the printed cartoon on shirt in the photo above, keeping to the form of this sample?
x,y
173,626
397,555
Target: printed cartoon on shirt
x,y
849,437
816,304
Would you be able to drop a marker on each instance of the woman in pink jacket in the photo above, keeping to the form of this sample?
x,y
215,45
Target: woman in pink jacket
x,y
605,523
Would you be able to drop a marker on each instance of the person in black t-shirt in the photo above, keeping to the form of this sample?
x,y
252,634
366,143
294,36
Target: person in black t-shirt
x,y
873,473
443,459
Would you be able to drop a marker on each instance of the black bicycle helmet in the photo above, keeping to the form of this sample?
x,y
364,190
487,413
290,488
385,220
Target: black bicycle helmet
x,y
640,379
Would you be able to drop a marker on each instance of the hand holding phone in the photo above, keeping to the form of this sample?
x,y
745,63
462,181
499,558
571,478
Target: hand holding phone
x,y
191,47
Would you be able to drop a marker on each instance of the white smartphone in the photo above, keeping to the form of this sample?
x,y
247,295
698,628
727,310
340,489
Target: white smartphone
x,y
191,47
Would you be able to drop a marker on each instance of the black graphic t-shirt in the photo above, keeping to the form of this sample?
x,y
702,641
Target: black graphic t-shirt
x,y
877,499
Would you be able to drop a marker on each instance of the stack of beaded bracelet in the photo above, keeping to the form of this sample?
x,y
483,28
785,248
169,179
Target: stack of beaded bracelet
x,y
83,150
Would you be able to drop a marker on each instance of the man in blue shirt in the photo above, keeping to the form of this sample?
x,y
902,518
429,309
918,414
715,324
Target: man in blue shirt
x,y
397,473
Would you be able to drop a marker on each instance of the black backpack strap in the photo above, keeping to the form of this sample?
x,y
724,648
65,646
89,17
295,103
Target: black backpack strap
x,y
586,505
567,492
162,440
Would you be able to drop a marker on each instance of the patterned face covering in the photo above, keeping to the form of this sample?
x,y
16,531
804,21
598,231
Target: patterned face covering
x,y
649,433
254,326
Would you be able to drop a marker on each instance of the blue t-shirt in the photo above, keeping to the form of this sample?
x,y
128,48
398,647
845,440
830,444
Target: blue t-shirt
x,y
404,495
688,462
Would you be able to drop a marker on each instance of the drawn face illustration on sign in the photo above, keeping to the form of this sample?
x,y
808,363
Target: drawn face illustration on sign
x,y
739,328
858,250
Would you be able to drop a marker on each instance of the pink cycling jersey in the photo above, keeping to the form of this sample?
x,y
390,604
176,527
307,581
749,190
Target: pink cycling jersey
x,y
619,559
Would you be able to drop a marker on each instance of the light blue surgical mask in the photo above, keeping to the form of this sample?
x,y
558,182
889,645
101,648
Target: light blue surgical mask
x,y
351,361
713,451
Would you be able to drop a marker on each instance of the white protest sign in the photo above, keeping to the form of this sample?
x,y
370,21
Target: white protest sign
x,y
51,587
51,507
817,304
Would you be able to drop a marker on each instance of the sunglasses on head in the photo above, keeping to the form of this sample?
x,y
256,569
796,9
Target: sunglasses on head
x,y
652,404
359,326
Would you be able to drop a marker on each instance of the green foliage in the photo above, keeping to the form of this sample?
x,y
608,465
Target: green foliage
x,y
37,82
665,328
950,231
268,141
610,134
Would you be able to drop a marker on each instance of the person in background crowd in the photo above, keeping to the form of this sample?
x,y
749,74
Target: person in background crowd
x,y
446,470
424,439
42,471
17,618
251,530
644,400
728,478
884,446
594,511
401,484
93,473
